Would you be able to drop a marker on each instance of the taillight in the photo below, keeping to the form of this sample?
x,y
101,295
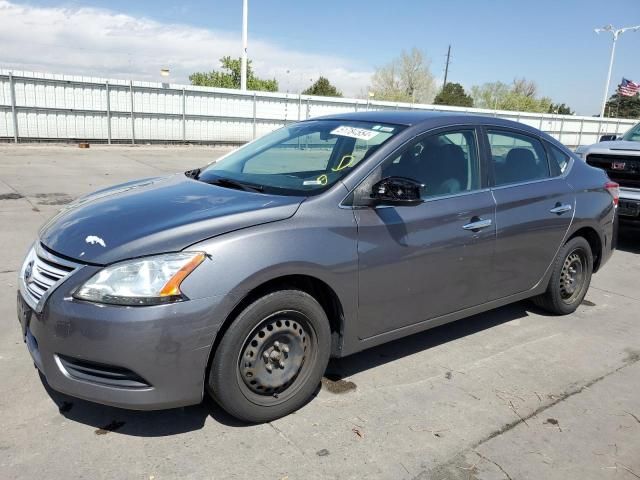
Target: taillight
x,y
614,189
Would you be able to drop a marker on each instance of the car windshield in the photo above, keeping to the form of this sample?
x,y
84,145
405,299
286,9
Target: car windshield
x,y
305,158
632,135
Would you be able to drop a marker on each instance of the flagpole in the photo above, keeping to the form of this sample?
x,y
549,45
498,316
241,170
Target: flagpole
x,y
606,88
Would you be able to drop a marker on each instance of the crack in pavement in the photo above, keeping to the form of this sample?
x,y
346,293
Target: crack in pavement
x,y
495,463
615,293
632,358
34,207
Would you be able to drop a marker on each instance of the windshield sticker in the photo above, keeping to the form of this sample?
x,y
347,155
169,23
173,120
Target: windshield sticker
x,y
312,182
381,128
353,132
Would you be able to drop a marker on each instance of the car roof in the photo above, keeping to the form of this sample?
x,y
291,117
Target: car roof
x,y
430,119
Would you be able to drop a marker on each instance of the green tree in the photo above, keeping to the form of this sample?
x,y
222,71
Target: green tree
x,y
405,79
521,96
621,106
561,109
453,94
323,87
229,77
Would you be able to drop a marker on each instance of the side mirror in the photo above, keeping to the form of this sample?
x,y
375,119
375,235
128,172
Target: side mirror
x,y
608,138
396,191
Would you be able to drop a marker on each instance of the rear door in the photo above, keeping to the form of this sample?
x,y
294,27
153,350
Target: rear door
x,y
421,262
534,209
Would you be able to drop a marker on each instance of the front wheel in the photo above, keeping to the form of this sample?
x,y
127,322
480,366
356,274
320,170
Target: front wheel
x,y
272,357
570,278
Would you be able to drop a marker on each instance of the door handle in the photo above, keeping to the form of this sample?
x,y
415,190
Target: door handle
x,y
477,224
559,209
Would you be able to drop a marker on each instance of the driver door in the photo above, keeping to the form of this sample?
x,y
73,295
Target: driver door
x,y
417,263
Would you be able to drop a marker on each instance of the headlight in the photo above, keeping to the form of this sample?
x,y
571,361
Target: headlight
x,y
144,281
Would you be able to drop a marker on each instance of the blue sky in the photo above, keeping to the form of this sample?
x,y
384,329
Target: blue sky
x,y
550,42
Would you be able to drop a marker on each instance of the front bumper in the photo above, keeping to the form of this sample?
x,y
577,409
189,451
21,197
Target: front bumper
x,y
143,358
629,204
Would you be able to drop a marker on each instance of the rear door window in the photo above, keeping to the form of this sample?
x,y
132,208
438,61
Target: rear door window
x,y
516,157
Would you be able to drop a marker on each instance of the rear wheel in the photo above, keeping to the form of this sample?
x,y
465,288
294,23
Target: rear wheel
x,y
570,278
272,357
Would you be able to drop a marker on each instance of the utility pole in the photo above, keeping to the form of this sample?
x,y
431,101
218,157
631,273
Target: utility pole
x,y
616,33
243,61
446,68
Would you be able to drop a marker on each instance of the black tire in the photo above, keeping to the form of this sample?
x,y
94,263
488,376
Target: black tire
x,y
272,357
570,279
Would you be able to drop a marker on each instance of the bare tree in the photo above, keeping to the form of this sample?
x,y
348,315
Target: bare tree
x,y
405,79
522,86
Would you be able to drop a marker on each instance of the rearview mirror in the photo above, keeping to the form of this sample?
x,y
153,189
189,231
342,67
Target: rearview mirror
x,y
608,138
397,191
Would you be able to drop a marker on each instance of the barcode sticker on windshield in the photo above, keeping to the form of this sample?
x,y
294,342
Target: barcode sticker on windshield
x,y
353,132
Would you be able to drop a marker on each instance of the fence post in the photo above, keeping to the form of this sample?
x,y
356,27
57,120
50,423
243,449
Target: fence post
x,y
106,85
299,106
580,132
12,91
254,114
184,116
133,125
308,109
561,128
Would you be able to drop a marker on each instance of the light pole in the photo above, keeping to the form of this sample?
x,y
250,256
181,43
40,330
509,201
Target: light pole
x,y
616,33
243,61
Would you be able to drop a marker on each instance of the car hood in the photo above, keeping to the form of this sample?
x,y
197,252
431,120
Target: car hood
x,y
156,216
614,146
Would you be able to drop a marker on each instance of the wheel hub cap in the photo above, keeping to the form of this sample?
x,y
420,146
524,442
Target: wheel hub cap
x,y
572,276
273,355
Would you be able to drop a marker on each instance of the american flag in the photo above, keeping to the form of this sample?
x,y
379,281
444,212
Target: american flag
x,y
628,88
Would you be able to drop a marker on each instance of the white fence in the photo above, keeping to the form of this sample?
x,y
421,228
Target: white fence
x,y
51,107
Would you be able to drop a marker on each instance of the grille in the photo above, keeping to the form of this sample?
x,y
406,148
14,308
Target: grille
x,y
101,373
627,176
41,273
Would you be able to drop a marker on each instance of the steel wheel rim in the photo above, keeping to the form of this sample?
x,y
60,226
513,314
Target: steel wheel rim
x,y
572,276
276,357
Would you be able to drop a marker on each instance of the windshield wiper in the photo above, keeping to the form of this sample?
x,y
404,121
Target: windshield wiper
x,y
229,183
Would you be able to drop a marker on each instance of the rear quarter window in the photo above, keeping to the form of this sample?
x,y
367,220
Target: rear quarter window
x,y
558,160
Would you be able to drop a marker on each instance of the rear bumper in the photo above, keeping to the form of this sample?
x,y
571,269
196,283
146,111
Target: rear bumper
x,y
142,358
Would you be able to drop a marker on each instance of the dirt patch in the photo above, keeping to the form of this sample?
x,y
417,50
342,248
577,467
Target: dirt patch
x,y
111,427
53,198
448,375
335,384
633,356
11,196
322,453
588,303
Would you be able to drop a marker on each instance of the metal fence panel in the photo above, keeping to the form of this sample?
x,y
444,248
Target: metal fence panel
x,y
47,106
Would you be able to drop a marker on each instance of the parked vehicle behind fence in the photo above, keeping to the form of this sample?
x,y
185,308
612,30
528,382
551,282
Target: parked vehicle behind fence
x,y
319,240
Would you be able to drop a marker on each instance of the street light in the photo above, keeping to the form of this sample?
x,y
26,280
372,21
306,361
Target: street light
x,y
616,33
243,61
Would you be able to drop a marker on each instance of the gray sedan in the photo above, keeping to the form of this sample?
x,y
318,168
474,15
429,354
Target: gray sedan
x,y
321,239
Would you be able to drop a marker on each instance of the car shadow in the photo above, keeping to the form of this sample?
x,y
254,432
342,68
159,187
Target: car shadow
x,y
105,419
403,347
628,238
